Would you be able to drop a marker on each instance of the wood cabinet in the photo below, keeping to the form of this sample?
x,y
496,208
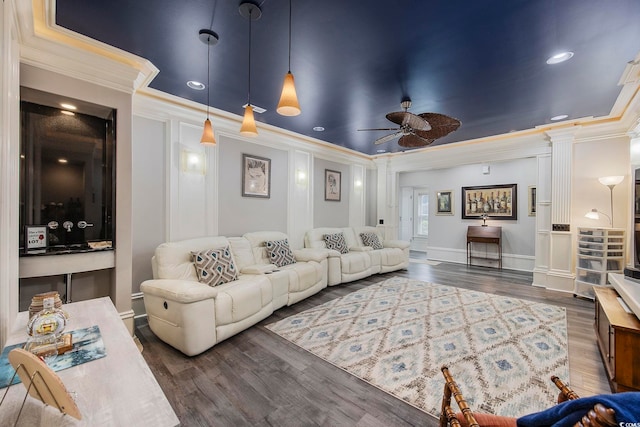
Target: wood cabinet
x,y
618,337
487,235
600,251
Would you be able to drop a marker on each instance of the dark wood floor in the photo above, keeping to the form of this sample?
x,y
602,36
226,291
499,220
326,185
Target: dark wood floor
x,y
256,378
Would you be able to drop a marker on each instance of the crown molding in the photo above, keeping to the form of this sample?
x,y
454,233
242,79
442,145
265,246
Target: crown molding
x,y
46,45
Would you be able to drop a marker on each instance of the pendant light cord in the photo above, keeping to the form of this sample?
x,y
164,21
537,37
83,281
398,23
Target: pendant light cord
x,y
249,85
208,75
289,36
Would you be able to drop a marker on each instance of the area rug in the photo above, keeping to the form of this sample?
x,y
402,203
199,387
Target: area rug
x,y
397,334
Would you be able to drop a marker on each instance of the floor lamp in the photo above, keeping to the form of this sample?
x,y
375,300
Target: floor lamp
x,y
611,182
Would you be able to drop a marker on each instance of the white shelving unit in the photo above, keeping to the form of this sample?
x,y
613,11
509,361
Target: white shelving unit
x,y
600,251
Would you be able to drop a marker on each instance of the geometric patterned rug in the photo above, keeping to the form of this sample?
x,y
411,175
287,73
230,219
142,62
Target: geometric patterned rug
x,y
397,334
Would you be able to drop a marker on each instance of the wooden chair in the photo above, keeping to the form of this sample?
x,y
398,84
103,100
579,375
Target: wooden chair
x,y
599,416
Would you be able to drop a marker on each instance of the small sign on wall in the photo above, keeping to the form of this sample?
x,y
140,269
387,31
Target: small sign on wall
x,y
36,237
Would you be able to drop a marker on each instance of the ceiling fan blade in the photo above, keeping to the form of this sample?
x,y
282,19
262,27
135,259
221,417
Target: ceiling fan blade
x,y
413,141
379,129
404,118
386,138
441,125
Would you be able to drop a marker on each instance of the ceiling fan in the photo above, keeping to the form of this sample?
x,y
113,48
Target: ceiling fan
x,y
416,130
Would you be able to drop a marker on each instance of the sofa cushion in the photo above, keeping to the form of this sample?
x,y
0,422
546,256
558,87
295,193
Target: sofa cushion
x,y
215,266
371,239
336,241
279,252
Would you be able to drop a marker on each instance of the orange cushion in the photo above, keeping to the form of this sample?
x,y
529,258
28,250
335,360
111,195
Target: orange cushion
x,y
488,420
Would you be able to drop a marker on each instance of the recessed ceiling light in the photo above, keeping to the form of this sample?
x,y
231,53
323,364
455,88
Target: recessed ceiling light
x,y
559,117
68,113
318,129
62,161
382,150
559,57
68,106
196,85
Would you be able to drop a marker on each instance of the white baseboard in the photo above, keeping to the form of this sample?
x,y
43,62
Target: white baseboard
x,y
459,256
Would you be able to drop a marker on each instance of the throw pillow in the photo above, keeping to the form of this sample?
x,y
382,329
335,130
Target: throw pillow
x,y
279,252
336,241
371,239
215,266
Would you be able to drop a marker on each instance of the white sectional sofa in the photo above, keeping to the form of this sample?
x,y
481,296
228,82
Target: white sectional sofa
x,y
191,308
343,267
394,255
305,277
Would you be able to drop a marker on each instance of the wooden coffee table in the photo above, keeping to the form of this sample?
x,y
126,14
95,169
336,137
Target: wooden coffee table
x,y
116,390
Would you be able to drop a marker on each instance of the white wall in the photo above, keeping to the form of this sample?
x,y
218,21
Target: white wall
x,y
331,213
447,233
148,194
238,214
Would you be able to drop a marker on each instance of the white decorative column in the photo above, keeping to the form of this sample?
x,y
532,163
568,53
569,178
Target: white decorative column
x,y
300,197
387,199
543,221
560,275
9,168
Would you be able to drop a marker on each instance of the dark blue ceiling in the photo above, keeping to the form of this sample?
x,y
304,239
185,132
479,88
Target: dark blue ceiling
x,y
482,62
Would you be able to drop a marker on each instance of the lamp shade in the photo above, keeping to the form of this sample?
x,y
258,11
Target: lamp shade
x,y
611,180
207,134
288,105
248,127
592,214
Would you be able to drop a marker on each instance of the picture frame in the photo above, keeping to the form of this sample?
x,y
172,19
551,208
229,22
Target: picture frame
x,y
332,185
35,237
531,192
444,202
490,201
256,176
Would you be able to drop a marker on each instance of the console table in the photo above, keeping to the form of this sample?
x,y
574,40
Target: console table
x,y
484,234
116,390
618,337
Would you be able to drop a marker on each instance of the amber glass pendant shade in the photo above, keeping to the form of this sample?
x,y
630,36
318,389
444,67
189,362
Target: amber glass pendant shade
x,y
207,134
288,105
248,127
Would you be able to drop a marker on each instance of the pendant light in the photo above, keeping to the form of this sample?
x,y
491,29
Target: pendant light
x,y
252,12
210,38
288,105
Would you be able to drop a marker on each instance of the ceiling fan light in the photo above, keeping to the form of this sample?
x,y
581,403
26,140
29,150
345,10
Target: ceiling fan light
x,y
207,134
288,105
248,127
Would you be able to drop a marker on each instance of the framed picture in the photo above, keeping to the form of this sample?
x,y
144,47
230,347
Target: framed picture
x,y
494,201
332,183
35,237
256,176
444,201
532,200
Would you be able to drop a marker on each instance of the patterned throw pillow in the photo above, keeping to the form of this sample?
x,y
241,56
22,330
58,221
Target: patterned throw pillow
x,y
279,252
215,266
371,239
336,241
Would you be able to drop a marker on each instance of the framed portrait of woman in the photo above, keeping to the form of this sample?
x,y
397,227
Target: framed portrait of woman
x,y
256,176
332,183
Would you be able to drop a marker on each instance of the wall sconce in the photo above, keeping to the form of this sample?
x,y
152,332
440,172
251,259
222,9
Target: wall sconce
x,y
192,162
301,177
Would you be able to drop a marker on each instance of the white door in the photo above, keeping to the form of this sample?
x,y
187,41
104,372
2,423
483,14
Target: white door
x,y
406,214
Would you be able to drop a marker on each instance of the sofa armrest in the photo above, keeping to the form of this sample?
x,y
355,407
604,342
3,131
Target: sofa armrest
x,y
402,244
361,249
258,269
310,254
184,291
